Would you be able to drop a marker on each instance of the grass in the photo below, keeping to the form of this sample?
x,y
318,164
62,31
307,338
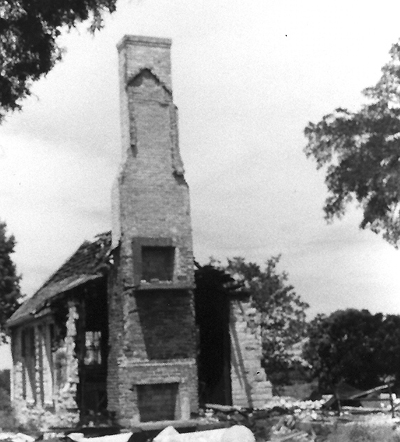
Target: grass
x,y
366,432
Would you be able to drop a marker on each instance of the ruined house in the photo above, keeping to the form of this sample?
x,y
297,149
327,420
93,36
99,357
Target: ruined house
x,y
114,328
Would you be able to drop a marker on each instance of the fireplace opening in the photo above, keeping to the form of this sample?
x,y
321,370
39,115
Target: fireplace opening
x,y
157,402
157,263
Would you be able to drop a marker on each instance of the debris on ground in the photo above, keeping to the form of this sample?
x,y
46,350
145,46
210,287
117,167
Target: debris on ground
x,y
282,419
285,419
79,437
15,437
237,433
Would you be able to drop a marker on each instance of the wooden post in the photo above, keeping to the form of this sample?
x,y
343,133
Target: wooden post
x,y
391,401
338,401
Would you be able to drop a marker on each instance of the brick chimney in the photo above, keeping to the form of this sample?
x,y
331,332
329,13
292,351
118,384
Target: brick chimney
x,y
152,371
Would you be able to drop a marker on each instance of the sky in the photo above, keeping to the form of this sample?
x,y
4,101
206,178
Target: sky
x,y
247,76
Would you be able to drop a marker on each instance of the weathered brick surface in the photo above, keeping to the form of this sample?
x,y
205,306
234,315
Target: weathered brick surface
x,y
250,387
159,326
152,328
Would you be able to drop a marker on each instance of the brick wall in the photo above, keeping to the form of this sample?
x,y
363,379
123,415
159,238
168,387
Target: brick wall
x,y
153,343
159,326
151,323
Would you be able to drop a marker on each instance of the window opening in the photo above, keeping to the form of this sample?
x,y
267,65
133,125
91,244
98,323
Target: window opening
x,y
92,348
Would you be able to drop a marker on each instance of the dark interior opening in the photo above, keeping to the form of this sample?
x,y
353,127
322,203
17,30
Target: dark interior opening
x,y
212,317
28,355
157,402
157,263
92,389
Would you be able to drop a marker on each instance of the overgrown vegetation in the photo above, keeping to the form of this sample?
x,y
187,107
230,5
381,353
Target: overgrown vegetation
x,y
10,293
282,313
7,419
365,432
28,41
354,346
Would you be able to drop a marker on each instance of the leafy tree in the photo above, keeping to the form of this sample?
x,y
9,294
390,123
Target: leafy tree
x,y
4,389
388,348
28,40
282,313
354,346
10,294
361,151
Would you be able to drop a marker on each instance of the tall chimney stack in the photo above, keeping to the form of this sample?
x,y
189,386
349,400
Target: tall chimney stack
x,y
152,371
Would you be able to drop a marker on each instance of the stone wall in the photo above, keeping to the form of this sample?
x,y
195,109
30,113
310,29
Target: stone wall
x,y
250,387
44,382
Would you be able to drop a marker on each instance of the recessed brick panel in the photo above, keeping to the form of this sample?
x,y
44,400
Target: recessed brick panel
x,y
163,325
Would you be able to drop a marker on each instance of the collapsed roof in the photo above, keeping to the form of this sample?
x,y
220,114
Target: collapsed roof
x,y
88,263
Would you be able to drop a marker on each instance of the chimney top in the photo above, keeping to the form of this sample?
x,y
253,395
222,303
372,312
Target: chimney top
x,y
139,40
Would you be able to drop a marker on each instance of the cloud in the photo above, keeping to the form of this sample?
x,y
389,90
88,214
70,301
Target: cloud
x,y
247,78
51,194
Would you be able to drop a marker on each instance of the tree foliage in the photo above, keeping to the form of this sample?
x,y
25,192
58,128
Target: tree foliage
x,y
354,346
28,40
361,151
282,313
10,294
4,390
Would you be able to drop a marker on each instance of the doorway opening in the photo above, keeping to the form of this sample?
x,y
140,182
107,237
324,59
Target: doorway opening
x,y
212,317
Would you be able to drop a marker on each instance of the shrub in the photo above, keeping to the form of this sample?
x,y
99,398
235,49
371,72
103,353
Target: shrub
x,y
365,432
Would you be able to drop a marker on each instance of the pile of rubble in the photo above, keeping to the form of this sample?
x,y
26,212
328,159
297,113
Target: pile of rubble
x,y
286,419
281,419
15,437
